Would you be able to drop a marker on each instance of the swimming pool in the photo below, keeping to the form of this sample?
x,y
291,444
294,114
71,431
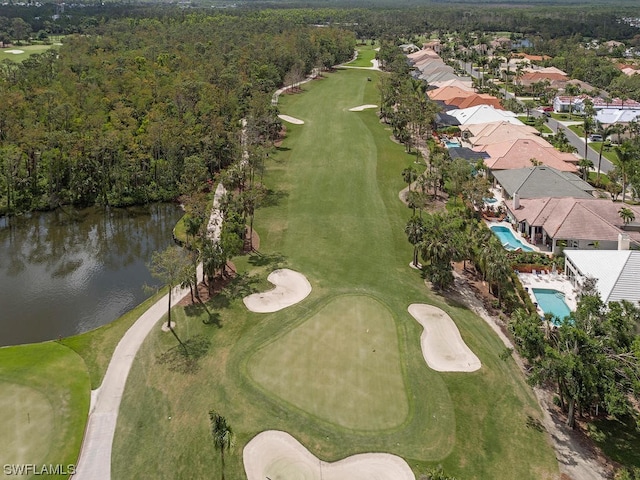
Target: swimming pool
x,y
450,144
552,301
489,200
508,239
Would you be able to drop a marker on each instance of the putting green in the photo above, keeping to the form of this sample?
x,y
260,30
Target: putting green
x,y
26,416
44,400
342,364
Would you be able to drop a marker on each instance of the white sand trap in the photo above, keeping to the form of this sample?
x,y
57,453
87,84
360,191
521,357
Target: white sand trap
x,y
14,52
442,346
291,287
289,119
277,455
362,107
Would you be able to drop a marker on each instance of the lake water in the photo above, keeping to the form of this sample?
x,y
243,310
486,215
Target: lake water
x,y
70,271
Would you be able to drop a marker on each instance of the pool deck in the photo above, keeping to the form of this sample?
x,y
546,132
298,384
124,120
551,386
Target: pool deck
x,y
554,281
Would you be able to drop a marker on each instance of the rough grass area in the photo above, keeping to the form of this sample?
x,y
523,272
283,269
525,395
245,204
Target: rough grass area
x,y
44,401
334,215
619,440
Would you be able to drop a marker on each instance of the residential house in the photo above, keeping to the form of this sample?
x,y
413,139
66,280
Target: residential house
x,y
484,114
496,132
616,272
524,152
539,182
563,224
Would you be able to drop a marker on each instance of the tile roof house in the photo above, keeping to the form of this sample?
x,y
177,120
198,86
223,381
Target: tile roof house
x,y
572,223
519,154
616,272
465,83
541,181
484,114
496,132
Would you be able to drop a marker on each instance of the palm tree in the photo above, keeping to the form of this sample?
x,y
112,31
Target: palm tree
x,y
409,175
585,164
223,437
627,215
415,230
626,158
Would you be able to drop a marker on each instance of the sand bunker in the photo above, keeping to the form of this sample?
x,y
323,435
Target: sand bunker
x,y
291,287
14,52
274,454
289,119
362,107
442,346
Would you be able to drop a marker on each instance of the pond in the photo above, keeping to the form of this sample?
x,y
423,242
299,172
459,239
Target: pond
x,y
70,271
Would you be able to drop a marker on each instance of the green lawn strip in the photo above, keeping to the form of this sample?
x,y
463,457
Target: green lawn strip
x,y
44,401
96,347
334,215
366,53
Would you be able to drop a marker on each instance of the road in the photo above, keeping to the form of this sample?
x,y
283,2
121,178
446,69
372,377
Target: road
x,y
578,143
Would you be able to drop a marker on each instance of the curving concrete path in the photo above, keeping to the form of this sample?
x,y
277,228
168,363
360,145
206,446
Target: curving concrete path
x,y
94,462
95,454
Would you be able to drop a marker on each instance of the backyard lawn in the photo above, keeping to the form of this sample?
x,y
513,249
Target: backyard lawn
x,y
342,371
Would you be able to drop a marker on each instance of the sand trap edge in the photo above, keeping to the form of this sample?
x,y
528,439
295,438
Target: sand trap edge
x,y
362,107
443,348
291,287
287,118
276,450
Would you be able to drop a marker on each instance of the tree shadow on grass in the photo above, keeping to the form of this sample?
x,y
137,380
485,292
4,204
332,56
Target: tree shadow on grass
x,y
209,317
272,197
242,285
276,260
183,358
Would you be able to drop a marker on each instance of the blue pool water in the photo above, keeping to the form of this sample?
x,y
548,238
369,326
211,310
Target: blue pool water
x,y
552,301
490,200
508,239
449,144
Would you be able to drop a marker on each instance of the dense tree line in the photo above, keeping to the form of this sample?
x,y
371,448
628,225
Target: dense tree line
x,y
111,117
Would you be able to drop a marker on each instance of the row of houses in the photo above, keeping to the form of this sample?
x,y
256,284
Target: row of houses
x,y
543,197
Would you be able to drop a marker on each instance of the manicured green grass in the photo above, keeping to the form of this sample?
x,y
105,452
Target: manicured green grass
x,y
97,346
342,363
366,53
336,217
44,401
27,50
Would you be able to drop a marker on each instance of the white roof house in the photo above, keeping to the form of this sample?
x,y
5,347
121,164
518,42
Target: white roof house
x,y
483,114
617,272
611,116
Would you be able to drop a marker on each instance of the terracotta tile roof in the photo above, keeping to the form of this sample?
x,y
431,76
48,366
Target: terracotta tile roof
x,y
571,218
518,154
498,132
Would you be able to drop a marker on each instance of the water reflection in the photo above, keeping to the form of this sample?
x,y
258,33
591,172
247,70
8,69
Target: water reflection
x,y
69,271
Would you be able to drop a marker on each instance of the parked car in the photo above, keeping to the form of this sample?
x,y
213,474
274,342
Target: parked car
x,y
594,137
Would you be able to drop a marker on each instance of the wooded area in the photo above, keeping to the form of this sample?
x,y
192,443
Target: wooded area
x,y
111,117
